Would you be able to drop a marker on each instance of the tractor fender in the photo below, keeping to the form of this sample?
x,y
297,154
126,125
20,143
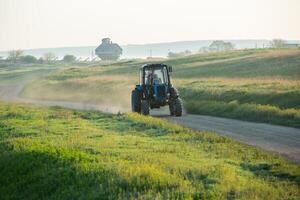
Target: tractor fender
x,y
138,88
173,93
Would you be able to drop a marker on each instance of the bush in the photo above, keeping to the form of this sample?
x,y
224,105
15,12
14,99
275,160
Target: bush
x,y
28,59
220,45
180,54
246,111
69,58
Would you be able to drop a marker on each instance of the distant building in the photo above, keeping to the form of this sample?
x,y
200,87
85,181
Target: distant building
x,y
108,50
291,45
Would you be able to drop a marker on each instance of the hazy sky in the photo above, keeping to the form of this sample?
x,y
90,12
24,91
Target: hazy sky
x,y
54,23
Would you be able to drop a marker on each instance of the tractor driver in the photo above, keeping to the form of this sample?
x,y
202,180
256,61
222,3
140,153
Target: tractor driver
x,y
156,80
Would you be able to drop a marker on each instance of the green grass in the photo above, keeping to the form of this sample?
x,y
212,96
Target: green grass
x,y
11,76
54,153
21,73
254,85
258,64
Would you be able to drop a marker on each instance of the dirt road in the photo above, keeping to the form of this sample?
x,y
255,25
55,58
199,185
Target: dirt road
x,y
279,139
283,140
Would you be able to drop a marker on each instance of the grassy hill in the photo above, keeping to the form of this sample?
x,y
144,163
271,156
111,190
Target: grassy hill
x,y
256,85
55,153
142,50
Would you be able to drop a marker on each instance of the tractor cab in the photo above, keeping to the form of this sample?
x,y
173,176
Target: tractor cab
x,y
155,90
155,79
154,75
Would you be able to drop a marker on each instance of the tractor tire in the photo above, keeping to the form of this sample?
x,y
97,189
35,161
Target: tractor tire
x,y
171,108
177,103
135,101
145,107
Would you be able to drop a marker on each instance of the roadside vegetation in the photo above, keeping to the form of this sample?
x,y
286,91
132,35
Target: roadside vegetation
x,y
261,85
55,153
266,100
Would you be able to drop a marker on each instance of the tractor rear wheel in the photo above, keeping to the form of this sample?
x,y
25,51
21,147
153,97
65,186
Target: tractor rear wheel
x,y
177,107
135,101
145,107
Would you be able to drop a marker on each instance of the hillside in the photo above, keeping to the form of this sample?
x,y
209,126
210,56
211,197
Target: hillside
x,y
255,85
55,153
143,50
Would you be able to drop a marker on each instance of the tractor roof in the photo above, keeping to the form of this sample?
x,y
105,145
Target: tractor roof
x,y
153,65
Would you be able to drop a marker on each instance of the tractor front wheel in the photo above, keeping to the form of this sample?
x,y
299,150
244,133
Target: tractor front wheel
x,y
171,108
145,107
176,107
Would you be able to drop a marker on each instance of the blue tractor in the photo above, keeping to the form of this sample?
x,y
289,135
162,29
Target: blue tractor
x,y
155,90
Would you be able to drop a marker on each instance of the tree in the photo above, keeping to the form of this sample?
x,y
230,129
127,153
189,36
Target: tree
x,y
204,49
28,59
69,58
49,57
220,45
41,60
172,54
14,55
228,46
187,52
277,43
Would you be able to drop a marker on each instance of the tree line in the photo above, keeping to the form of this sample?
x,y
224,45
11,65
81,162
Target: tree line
x,y
220,45
17,56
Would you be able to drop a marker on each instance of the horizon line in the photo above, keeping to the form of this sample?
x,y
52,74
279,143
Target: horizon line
x,y
141,44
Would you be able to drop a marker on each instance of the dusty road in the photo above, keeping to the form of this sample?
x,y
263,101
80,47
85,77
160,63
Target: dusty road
x,y
279,139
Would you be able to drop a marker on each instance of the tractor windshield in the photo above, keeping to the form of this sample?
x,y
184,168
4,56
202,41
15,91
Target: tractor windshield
x,y
157,76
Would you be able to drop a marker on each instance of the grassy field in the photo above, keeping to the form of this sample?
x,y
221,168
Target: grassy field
x,y
14,73
11,75
254,85
55,153
264,100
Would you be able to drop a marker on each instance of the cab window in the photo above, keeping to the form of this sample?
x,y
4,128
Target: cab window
x,y
158,76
